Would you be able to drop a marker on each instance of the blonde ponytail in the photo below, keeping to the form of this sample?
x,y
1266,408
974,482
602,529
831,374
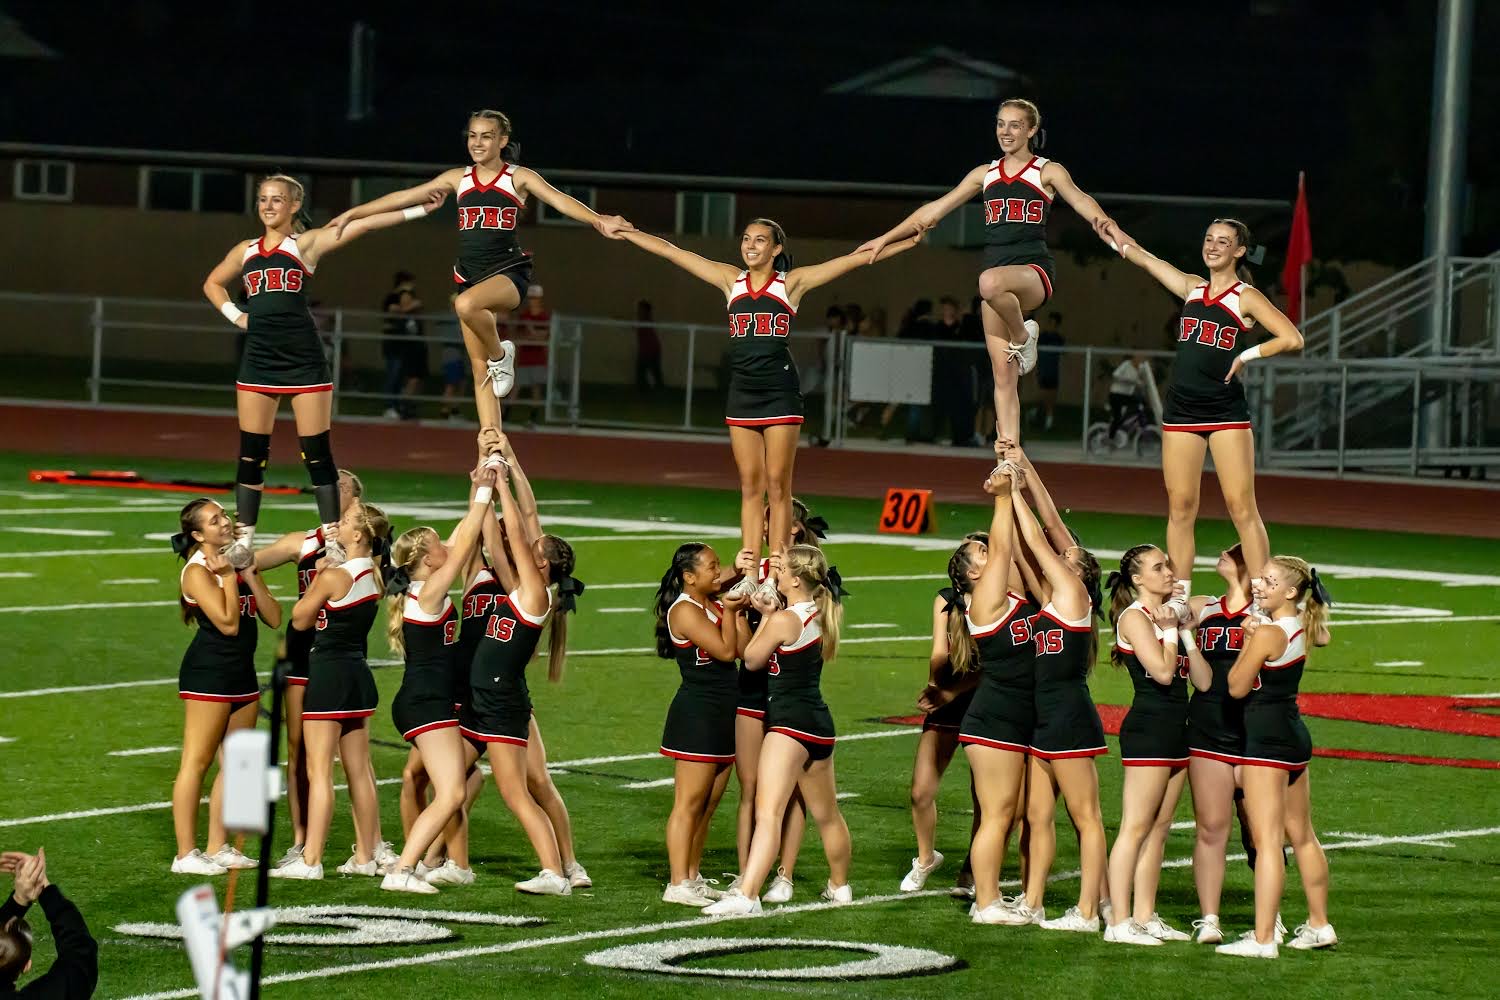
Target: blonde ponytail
x,y
1312,597
963,652
808,564
406,552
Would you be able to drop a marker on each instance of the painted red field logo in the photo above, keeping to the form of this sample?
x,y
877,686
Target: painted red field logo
x,y
1431,713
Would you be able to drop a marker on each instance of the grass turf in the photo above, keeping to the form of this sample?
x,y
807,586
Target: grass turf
x,y
1409,912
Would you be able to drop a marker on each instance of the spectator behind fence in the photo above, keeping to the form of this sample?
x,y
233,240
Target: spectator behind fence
x,y
819,374
75,972
647,349
455,362
1125,385
533,326
403,348
952,374
982,374
1049,368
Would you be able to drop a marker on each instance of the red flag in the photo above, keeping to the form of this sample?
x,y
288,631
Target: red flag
x,y
1298,255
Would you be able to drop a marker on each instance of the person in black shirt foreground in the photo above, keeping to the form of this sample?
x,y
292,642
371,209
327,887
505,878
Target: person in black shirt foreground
x,y
76,970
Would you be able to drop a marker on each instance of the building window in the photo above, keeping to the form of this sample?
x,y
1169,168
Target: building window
x,y
546,213
705,213
44,180
193,189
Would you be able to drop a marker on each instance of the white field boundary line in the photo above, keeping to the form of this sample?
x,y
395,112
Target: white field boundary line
x,y
680,529
650,651
1430,839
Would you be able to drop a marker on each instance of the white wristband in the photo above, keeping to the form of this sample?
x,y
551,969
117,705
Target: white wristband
x,y
415,212
1188,643
231,312
1249,354
1170,637
484,494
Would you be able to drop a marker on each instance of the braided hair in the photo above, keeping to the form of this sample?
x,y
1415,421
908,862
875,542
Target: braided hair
x,y
560,562
963,652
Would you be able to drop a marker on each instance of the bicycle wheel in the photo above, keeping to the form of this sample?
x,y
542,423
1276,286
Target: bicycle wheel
x,y
1098,440
1148,443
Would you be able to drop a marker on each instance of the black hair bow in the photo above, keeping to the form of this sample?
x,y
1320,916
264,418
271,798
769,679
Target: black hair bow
x,y
835,584
1113,580
818,525
398,583
1319,592
1096,598
379,547
568,589
181,542
951,600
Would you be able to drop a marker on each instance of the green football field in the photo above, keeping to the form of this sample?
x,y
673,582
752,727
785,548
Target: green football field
x,y
1407,806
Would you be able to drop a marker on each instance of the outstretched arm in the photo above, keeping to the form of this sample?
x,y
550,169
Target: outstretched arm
x,y
1057,176
528,181
802,280
1179,283
447,182
319,243
930,214
215,285
1284,333
719,275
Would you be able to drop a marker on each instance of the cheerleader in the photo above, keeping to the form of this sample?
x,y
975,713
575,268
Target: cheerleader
x,y
792,645
1017,190
341,605
1153,740
1205,410
306,549
497,716
492,272
1215,732
1278,748
944,702
283,354
423,628
765,401
705,637
216,682
1068,734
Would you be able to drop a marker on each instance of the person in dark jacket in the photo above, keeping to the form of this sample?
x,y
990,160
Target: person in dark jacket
x,y
75,973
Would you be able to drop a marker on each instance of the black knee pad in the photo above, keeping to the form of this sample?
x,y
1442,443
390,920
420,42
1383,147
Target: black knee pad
x,y
255,450
317,455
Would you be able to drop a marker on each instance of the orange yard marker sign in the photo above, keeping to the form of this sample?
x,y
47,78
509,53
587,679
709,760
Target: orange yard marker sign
x,y
906,511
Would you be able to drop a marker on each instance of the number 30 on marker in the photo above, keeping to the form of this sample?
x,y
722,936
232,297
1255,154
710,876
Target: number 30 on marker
x,y
906,511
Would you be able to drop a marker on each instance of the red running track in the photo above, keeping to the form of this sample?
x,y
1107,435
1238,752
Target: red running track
x,y
1434,508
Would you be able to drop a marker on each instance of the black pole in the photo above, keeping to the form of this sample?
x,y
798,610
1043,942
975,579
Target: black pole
x,y
267,839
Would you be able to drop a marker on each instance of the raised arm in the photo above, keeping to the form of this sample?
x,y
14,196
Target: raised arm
x,y
930,214
447,182
528,181
216,591
1056,529
1158,656
1284,333
529,579
721,276
316,244
525,497
462,544
1179,283
215,286
1056,176
1068,594
280,552
801,280
267,607
989,589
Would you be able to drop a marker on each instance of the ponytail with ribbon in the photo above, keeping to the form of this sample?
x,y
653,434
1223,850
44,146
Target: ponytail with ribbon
x,y
568,590
1318,590
398,583
182,542
951,600
835,584
817,524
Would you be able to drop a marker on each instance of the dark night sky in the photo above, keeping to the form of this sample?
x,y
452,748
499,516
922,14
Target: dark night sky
x,y
1227,99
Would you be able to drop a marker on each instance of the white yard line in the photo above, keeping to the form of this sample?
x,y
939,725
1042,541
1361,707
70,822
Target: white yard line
x,y
17,575
129,581
144,507
69,532
143,751
452,954
657,783
1398,663
155,550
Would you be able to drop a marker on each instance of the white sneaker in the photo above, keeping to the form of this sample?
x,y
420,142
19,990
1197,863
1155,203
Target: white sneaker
x,y
1025,354
576,876
687,893
195,862
231,858
298,869
768,591
386,858
708,886
1280,930
1309,937
1129,932
734,903
1159,929
1248,947
780,890
407,880
447,873
836,894
239,554
734,884
293,853
1035,916
546,883
502,370
744,588
1073,920
963,886
423,871
353,867
999,912
1106,912
1208,930
917,877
